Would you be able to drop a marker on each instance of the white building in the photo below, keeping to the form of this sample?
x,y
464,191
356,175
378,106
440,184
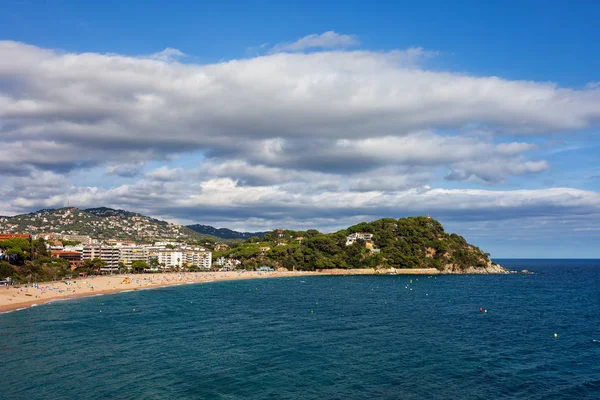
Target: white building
x,y
366,236
108,254
198,258
129,254
78,248
185,258
171,258
227,264
167,243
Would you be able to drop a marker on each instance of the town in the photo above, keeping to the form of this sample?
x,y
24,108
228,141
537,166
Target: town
x,y
113,256
85,254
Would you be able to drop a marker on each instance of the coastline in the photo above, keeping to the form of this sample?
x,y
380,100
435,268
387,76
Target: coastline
x,y
25,296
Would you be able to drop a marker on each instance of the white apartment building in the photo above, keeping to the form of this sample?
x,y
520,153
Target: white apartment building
x,y
185,258
129,254
198,258
77,247
108,254
171,258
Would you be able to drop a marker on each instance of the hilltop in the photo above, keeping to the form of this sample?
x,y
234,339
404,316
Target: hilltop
x,y
99,223
109,223
413,242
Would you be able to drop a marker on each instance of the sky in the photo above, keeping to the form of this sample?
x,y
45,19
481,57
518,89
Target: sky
x,y
260,115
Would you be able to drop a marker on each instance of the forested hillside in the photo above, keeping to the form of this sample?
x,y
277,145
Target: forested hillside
x,y
413,242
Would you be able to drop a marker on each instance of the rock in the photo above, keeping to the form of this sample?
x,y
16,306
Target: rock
x,y
490,268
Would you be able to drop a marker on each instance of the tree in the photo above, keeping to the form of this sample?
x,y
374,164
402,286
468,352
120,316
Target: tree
x,y
16,250
70,242
139,266
6,270
94,265
38,249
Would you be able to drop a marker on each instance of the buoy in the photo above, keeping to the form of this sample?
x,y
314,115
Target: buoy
x,y
134,309
480,309
555,335
101,311
484,311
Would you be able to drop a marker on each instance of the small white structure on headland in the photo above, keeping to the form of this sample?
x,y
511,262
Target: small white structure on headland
x,y
366,236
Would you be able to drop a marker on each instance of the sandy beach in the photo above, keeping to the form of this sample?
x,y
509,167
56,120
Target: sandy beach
x,y
23,296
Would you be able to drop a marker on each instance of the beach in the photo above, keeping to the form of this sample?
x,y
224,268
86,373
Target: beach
x,y
27,295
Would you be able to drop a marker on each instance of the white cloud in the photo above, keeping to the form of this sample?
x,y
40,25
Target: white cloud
x,y
168,54
324,137
165,173
326,40
514,148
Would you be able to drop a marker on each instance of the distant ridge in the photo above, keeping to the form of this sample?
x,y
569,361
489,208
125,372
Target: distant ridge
x,y
224,233
109,223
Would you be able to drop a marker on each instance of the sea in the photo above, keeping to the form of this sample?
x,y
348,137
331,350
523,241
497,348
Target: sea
x,y
510,336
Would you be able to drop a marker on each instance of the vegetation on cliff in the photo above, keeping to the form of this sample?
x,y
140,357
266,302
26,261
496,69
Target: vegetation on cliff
x,y
28,262
413,242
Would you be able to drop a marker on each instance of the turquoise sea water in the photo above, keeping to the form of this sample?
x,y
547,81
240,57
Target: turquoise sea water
x,y
339,337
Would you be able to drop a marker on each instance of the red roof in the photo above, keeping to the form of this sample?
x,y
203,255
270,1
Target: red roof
x,y
59,252
4,236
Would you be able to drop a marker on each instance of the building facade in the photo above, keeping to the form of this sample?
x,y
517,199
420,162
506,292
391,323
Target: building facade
x,y
109,254
129,254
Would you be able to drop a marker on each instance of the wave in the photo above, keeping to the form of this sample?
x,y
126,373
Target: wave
x,y
16,309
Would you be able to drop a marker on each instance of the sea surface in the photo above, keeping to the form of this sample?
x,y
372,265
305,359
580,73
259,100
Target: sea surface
x,y
338,337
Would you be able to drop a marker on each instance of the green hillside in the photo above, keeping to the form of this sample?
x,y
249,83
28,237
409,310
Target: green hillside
x,y
419,242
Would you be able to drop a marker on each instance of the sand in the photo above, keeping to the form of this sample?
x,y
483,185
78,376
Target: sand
x,y
23,296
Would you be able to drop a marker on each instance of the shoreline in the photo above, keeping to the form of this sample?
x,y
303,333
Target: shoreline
x,y
26,296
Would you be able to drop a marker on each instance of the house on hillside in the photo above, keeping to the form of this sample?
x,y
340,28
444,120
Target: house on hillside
x,y
264,249
221,247
352,238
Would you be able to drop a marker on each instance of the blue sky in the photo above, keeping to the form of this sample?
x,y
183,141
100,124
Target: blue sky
x,y
317,114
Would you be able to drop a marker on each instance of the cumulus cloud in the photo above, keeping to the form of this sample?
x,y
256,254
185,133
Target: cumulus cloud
x,y
224,199
355,109
316,138
165,173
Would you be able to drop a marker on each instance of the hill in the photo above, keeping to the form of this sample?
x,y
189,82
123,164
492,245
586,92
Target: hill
x,y
99,223
414,242
224,233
